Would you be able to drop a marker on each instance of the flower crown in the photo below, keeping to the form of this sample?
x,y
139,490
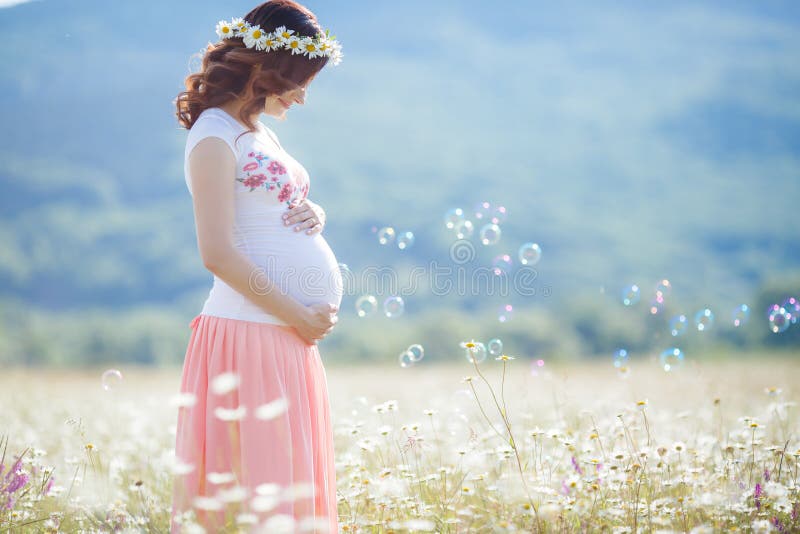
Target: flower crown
x,y
254,37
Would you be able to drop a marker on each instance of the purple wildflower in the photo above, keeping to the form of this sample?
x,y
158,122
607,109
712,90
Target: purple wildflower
x,y
576,466
757,496
48,486
598,468
19,481
766,475
14,469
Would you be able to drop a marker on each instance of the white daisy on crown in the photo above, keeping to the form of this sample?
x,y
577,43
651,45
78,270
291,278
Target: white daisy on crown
x,y
323,44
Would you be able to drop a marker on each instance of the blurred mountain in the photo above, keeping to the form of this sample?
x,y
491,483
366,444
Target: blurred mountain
x,y
632,141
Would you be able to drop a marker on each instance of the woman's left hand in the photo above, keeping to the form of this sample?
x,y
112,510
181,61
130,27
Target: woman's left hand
x,y
308,214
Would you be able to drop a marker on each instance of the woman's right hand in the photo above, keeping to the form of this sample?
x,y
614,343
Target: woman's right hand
x,y
316,322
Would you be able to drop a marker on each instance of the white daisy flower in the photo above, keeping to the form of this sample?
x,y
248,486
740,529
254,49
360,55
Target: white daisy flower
x,y
220,478
299,490
230,414
246,519
255,37
179,467
313,524
240,26
225,383
207,503
264,503
280,524
183,400
293,43
268,489
225,29
234,494
336,53
272,42
273,409
310,47
283,34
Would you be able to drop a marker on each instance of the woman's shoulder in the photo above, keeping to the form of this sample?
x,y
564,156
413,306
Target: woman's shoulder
x,y
212,122
213,115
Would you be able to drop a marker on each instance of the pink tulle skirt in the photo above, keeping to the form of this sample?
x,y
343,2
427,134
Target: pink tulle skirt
x,y
259,425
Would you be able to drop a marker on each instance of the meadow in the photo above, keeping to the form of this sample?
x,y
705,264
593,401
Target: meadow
x,y
506,445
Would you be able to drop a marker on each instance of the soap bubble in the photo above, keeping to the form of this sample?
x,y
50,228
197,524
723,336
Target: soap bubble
x,y
366,305
404,359
671,359
621,359
416,351
464,229
740,315
405,240
678,325
779,319
490,234
499,215
495,347
195,63
110,379
704,319
663,288
483,211
529,253
536,366
453,217
505,313
385,235
630,295
502,264
393,307
476,353
656,305
792,305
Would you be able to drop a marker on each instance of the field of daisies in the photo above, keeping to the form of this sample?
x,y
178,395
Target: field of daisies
x,y
504,445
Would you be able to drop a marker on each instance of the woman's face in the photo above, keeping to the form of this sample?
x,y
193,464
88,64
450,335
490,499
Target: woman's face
x,y
277,106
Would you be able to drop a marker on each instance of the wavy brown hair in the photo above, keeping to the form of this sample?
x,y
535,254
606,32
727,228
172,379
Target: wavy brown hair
x,y
230,70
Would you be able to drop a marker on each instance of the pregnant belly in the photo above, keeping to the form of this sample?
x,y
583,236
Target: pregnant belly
x,y
304,267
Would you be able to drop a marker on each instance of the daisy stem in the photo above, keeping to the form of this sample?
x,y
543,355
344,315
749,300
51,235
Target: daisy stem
x,y
512,442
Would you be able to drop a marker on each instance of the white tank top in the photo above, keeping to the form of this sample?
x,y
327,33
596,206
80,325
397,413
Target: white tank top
x,y
268,179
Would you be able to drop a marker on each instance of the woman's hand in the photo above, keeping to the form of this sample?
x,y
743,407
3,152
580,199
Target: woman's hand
x,y
316,322
308,214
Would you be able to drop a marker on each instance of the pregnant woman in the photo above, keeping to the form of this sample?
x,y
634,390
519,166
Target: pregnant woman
x,y
254,445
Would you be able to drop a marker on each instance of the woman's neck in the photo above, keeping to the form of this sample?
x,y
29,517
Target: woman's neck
x,y
233,107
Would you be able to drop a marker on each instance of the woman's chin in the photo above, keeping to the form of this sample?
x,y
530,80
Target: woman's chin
x,y
280,114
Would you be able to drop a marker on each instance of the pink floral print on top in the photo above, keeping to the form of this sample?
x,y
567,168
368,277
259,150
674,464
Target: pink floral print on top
x,y
279,180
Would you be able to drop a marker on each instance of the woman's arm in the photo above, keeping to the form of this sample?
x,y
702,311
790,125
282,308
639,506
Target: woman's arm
x,y
212,169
